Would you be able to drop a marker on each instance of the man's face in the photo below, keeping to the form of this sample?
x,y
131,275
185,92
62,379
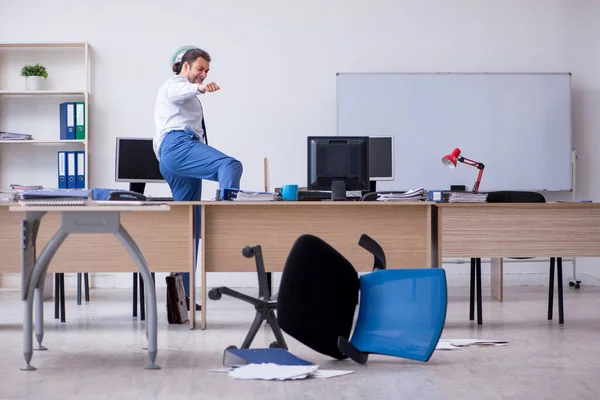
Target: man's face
x,y
196,73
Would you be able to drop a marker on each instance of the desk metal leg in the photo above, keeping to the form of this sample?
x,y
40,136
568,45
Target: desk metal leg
x,y
135,293
79,288
39,312
56,296
479,301
559,275
32,281
33,271
150,293
551,289
472,292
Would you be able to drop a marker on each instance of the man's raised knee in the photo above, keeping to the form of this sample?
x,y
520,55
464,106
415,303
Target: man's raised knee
x,y
236,166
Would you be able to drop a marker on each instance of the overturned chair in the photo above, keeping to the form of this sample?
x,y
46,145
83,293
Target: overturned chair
x,y
402,311
265,304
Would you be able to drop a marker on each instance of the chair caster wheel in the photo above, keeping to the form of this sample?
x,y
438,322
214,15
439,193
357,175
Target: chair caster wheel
x,y
274,345
575,284
231,347
214,294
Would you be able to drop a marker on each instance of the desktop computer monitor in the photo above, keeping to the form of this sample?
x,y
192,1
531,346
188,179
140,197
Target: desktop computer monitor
x,y
381,159
136,163
338,163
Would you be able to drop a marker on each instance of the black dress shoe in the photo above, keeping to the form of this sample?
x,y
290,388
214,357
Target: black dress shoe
x,y
187,303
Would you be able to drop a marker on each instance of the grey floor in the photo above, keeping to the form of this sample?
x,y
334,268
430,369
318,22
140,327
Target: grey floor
x,y
97,354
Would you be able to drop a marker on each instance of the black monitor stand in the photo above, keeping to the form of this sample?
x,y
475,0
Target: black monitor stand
x,y
137,187
373,186
338,190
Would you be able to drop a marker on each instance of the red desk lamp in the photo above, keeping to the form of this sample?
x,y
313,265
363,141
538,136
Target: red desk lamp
x,y
451,159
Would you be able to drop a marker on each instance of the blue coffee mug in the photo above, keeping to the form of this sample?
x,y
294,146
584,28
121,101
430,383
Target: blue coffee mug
x,y
289,192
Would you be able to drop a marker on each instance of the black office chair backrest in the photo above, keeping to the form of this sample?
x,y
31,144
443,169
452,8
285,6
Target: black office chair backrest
x,y
508,196
317,295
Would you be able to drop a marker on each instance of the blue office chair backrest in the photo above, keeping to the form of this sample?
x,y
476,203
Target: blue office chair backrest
x,y
402,312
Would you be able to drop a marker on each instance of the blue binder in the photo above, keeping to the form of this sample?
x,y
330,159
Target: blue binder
x,y
62,169
67,121
71,170
80,171
238,357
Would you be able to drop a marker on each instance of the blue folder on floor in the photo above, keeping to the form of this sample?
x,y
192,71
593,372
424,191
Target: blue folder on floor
x,y
238,357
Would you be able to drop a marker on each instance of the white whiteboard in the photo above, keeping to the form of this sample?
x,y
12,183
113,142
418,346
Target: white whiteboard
x,y
517,125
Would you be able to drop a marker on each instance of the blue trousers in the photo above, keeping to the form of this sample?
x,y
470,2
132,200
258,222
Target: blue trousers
x,y
184,163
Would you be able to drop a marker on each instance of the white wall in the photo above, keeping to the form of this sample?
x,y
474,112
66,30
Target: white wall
x,y
276,63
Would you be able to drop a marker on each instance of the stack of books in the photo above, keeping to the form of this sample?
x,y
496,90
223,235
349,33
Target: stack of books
x,y
464,197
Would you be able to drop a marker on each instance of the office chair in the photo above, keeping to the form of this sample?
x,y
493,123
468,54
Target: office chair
x,y
265,304
402,311
516,197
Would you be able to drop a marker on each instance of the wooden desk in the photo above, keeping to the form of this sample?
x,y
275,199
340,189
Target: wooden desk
x,y
404,230
165,239
497,230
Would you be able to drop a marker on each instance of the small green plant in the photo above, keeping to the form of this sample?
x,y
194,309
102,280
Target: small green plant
x,y
34,70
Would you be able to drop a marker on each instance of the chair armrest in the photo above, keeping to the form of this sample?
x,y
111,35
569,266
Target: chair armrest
x,y
374,248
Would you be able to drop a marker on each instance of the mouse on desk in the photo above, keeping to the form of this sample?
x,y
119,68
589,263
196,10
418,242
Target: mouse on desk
x,y
126,195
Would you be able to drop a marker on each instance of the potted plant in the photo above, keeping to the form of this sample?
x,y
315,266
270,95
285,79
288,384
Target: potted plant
x,y
34,75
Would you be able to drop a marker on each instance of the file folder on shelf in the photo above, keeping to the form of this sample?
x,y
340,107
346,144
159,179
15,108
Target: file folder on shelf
x,y
67,121
71,170
80,120
62,169
80,169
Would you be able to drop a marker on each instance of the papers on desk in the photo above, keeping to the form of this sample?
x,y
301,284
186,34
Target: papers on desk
x,y
411,195
457,344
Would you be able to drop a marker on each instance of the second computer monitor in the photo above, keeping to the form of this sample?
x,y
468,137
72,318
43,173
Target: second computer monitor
x,y
136,163
338,163
381,158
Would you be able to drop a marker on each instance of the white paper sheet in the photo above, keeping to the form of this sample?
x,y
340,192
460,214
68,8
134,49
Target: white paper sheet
x,y
457,344
328,373
273,371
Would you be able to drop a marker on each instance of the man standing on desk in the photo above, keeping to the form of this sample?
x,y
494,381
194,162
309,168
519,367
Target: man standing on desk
x,y
180,142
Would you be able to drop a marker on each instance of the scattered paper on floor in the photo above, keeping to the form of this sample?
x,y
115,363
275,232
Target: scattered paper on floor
x,y
269,371
457,344
273,371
